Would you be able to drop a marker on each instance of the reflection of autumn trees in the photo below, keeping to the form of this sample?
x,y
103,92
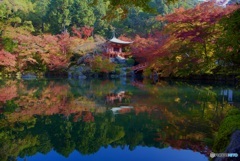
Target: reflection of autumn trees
x,y
45,115
118,97
8,91
193,113
12,147
183,99
53,98
92,89
109,93
180,132
59,133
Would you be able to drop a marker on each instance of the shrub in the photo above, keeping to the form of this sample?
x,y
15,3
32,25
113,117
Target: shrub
x,y
102,65
9,44
130,62
228,126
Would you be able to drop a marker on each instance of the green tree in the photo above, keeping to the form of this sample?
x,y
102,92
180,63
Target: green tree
x,y
143,23
82,13
102,65
125,5
38,16
13,8
101,26
13,13
58,15
228,45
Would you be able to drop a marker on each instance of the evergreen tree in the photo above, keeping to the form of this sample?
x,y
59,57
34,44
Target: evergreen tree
x,y
58,15
38,16
82,13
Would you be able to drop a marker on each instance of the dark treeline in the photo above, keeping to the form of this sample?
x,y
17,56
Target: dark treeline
x,y
62,134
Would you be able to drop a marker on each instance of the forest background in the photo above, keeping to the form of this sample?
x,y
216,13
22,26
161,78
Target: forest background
x,y
177,39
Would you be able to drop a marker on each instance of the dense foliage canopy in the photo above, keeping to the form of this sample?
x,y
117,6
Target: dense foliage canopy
x,y
182,38
192,42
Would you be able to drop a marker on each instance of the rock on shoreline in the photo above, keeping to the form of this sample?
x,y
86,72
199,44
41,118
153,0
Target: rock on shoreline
x,y
233,147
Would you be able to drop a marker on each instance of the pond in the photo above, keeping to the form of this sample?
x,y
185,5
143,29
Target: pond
x,y
110,119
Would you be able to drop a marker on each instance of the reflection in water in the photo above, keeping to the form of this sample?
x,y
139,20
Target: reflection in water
x,y
8,91
121,109
85,116
227,93
119,96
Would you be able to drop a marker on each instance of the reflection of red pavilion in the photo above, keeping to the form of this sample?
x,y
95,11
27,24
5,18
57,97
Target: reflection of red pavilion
x,y
122,109
111,97
116,48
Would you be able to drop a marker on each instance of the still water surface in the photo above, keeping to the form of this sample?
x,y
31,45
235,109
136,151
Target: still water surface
x,y
99,120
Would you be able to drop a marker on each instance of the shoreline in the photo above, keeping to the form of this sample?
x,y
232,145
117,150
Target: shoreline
x,y
205,79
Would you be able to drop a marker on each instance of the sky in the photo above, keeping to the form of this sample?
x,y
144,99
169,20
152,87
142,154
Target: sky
x,y
118,154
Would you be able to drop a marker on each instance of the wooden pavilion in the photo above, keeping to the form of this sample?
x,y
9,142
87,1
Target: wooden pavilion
x,y
115,48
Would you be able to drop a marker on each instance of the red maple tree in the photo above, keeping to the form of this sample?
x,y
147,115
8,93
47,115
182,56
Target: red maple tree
x,y
83,32
188,38
7,60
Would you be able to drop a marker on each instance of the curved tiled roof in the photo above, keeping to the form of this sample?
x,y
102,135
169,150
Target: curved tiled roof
x,y
118,41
